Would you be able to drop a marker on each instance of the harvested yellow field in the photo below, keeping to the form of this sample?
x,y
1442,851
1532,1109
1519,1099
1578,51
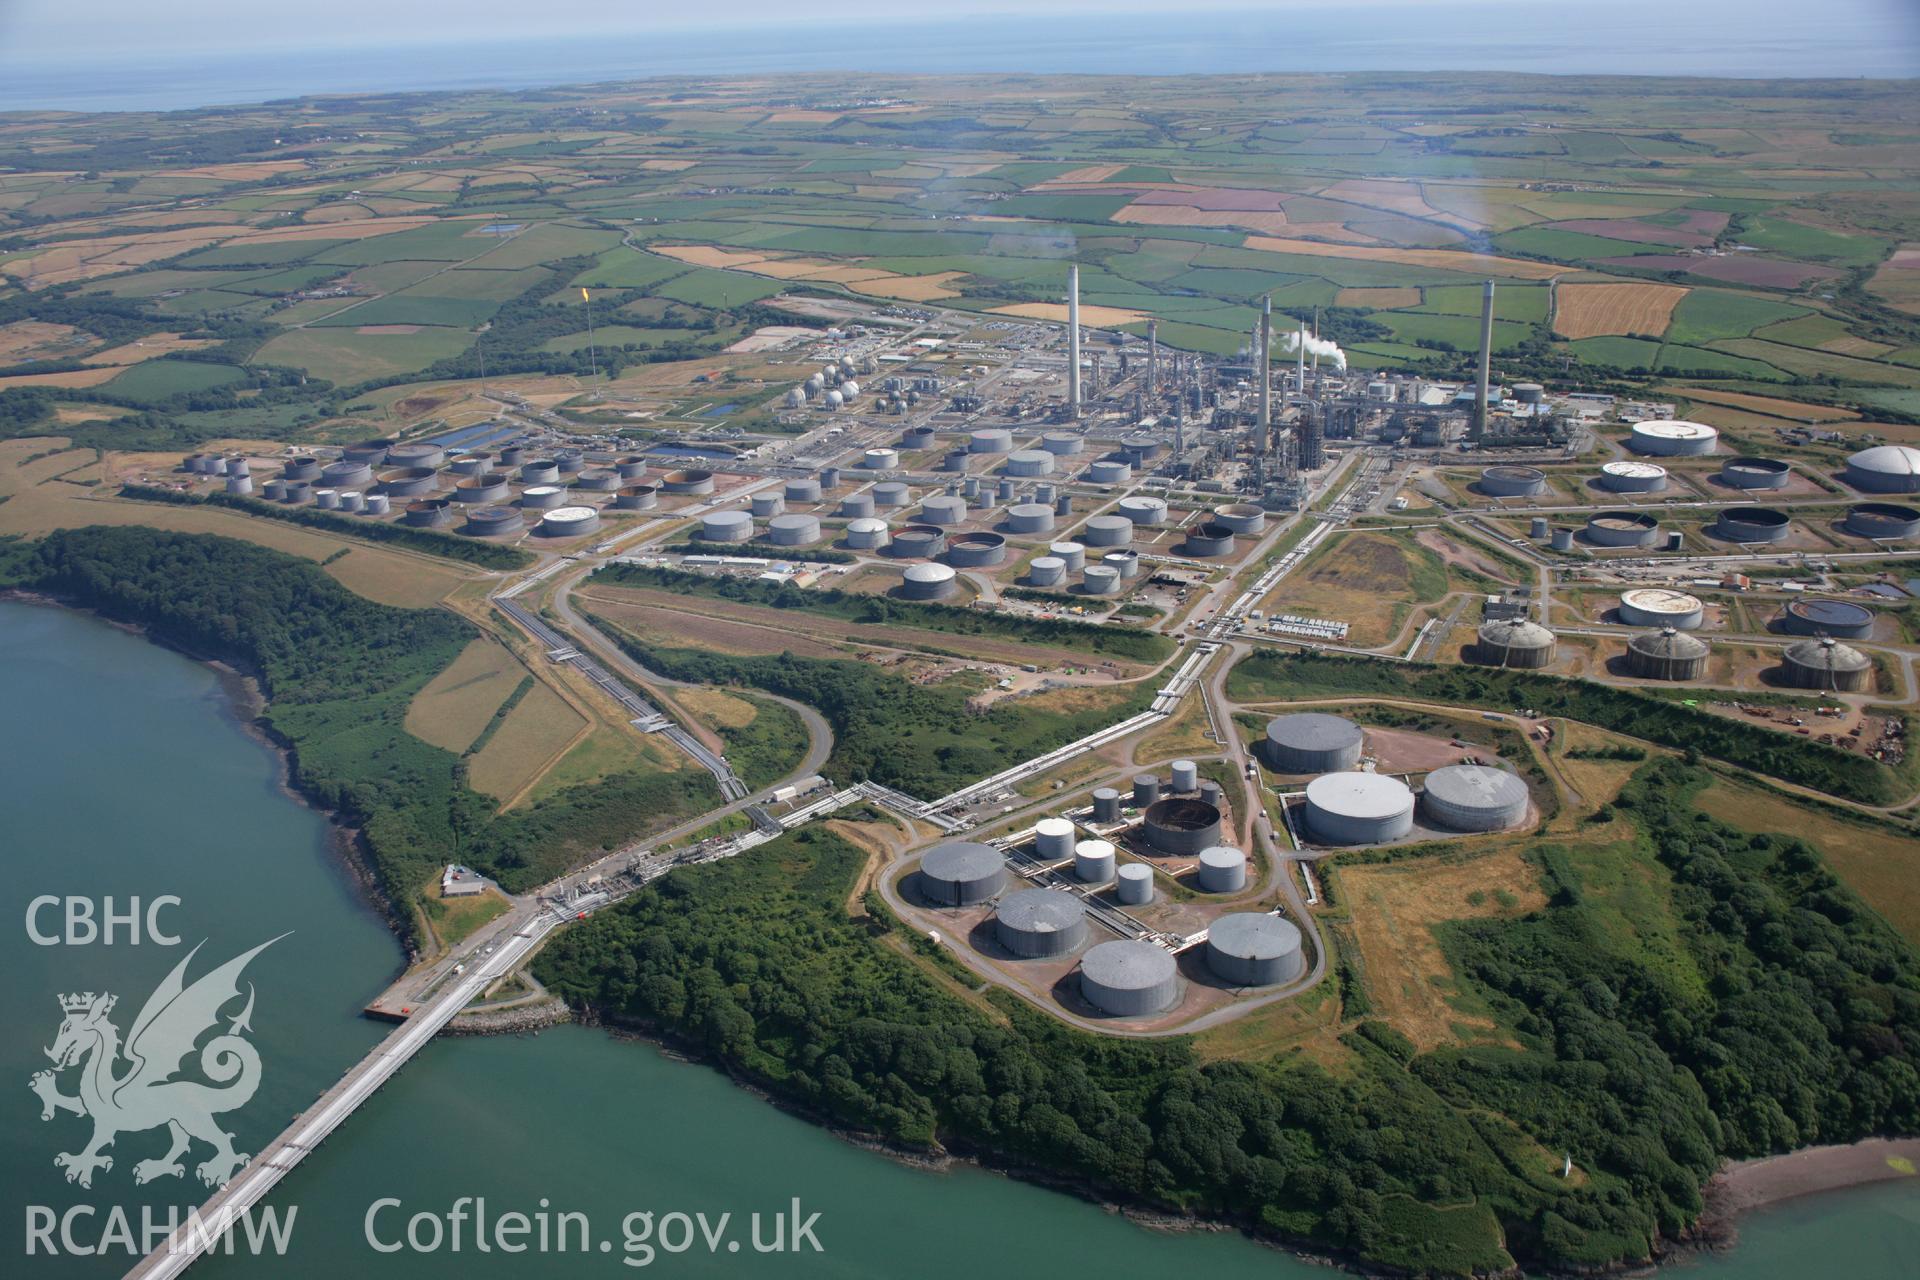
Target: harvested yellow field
x,y
535,734
1773,407
802,116
154,344
1271,222
1383,193
709,255
720,709
1091,317
1379,299
912,288
25,340
1090,173
668,166
1591,310
71,378
455,706
1442,259
255,171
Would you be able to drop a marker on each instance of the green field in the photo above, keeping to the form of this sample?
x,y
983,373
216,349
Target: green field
x,y
1705,315
348,357
156,380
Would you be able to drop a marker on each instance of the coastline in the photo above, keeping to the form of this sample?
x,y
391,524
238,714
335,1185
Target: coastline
x,y
1748,1185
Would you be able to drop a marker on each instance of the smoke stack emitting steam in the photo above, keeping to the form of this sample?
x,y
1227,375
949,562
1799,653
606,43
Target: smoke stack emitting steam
x,y
1303,344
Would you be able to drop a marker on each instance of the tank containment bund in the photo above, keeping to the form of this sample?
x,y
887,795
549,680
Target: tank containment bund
x,y
1223,869
1515,643
1129,979
1840,618
1755,473
1133,885
1475,797
1106,805
567,522
1664,438
962,873
1037,924
1313,742
1661,607
1825,663
1358,808
1053,837
1093,861
1181,826
1186,776
1249,949
1667,655
1885,468
927,582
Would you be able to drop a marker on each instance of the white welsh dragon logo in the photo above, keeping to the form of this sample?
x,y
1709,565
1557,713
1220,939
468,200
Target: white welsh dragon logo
x,y
146,1095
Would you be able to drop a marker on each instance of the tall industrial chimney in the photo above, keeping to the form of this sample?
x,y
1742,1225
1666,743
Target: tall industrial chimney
x,y
1300,372
1153,356
1262,370
1073,340
1486,360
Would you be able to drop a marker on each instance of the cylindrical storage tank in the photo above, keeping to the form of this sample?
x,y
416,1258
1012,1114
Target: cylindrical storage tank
x,y
866,534
416,455
1044,493
1633,477
1047,571
962,873
238,466
891,493
793,530
1672,439
1514,642
1223,869
1146,790
1242,517
1129,979
296,492
1141,509
1062,442
369,452
690,480
767,504
982,500
944,509
542,497
1882,521
1885,468
1063,504
1513,482
976,550
969,488
539,471
1842,618
1207,541
1186,777
631,467
928,582
482,491
1140,448
1106,805
1474,797
1210,794
1667,655
1755,473
511,455
857,506
637,497
473,464
1753,524
1661,607
1182,826
1038,924
301,468
1108,472
1093,861
726,526
353,500
597,480
1313,742
1107,531
1563,539
1053,838
1529,392
990,440
1003,492
377,504
1827,664
429,513
1539,529
327,499
956,460
880,459
1125,563
1252,949
918,541
1358,808
569,522
347,475
198,464
1133,885
1072,554
239,486
1029,517
409,482
1030,462
570,461
1100,580
917,438
491,522
1622,529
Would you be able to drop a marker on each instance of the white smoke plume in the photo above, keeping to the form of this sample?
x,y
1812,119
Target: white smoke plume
x,y
1319,347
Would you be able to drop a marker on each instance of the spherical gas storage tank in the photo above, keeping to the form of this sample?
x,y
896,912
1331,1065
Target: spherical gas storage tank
x,y
1209,541
866,534
1243,518
1825,663
1885,468
597,480
491,522
1755,473
1633,477
482,491
928,582
1313,742
1029,517
1030,462
990,440
1100,580
1046,571
944,508
891,493
976,550
793,530
962,873
1141,509
1358,808
637,497
1108,471
1752,524
346,475
543,497
1513,482
1254,949
1474,797
539,471
1181,826
918,542
1821,617
1062,442
1662,607
1037,924
1129,979
726,526
1107,531
1053,838
1667,654
1133,884
416,455
1622,529
1515,643
766,504
1072,554
568,522
1093,861
856,506
429,513
1882,521
1223,869
880,459
1663,438
691,480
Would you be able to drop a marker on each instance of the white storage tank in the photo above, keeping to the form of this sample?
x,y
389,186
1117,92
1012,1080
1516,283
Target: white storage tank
x,y
569,522
1133,885
1046,571
927,582
1053,837
1100,580
1661,607
1633,477
1358,808
806,489
990,440
856,506
880,459
793,530
1107,531
891,493
1141,509
1062,442
869,534
1313,742
944,509
1108,471
1223,869
1038,924
542,497
962,873
1186,776
1129,979
1093,861
1475,797
726,526
1664,438
1030,462
1071,554
1029,517
1249,949
1242,517
1885,468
